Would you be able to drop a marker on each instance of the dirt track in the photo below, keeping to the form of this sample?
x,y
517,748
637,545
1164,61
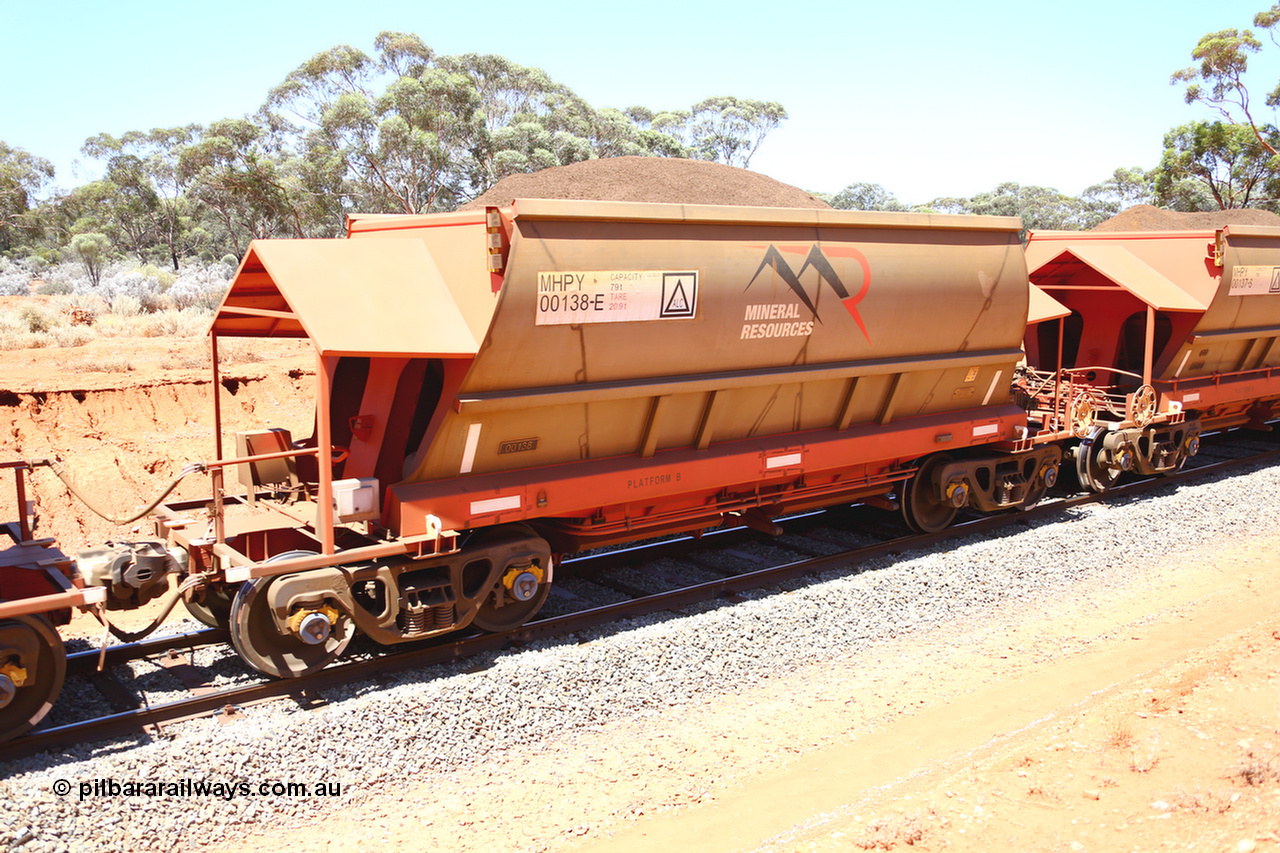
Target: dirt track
x,y
1136,719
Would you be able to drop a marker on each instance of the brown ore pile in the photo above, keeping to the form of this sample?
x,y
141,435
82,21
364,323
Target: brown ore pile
x,y
1144,217
652,179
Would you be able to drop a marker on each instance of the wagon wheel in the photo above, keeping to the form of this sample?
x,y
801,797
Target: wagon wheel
x,y
1043,480
22,706
1081,414
213,607
512,613
1092,473
1144,405
1189,447
922,510
263,647
518,594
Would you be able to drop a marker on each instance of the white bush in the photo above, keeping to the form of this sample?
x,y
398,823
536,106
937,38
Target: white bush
x,y
67,272
130,282
201,285
126,305
15,279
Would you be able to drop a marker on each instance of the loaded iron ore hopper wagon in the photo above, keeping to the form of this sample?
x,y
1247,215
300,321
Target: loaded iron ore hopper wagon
x,y
1168,334
500,387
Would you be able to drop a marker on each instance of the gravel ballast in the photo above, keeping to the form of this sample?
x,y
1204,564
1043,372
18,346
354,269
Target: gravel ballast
x,y
445,718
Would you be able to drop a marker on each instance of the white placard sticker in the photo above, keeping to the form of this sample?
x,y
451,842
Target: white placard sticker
x,y
1250,280
615,296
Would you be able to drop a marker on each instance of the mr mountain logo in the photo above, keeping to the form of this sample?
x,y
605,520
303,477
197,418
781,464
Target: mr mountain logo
x,y
816,258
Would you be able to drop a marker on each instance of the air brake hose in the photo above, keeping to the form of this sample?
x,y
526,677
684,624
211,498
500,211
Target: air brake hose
x,y
167,605
57,469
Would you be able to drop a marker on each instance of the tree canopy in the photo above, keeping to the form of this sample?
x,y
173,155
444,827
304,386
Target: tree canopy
x,y
401,130
22,176
1218,81
1228,160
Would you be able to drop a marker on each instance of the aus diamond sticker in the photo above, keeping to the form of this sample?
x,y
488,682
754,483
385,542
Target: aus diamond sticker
x,y
679,294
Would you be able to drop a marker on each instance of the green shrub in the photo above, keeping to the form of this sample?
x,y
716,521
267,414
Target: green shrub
x,y
163,277
54,288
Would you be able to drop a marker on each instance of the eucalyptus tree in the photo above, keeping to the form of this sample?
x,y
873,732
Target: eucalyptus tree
x,y
1218,80
403,127
1234,162
1040,208
151,204
526,121
729,130
1125,188
93,251
252,189
22,177
865,196
661,134
416,131
724,129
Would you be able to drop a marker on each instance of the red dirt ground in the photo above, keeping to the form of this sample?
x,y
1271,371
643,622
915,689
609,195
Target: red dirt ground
x,y
1142,718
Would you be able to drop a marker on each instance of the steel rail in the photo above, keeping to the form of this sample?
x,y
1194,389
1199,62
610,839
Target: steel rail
x,y
135,721
82,661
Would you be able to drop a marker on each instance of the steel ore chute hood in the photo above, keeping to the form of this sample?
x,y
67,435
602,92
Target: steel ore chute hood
x,y
349,297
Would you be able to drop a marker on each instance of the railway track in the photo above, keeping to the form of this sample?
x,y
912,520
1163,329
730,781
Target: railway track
x,y
802,549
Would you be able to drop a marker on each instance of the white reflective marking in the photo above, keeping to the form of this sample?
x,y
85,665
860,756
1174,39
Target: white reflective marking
x,y
1191,398
1186,355
469,452
986,429
783,461
495,505
991,390
236,574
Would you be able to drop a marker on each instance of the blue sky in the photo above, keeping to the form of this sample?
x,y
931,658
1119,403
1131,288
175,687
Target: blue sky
x,y
927,99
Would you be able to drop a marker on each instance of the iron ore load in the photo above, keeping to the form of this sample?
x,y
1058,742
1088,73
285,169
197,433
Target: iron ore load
x,y
500,387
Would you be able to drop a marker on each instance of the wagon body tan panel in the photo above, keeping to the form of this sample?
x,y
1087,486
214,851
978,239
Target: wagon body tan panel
x,y
801,320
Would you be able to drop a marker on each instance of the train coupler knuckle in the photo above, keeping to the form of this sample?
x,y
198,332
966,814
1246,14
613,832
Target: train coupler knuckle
x,y
132,572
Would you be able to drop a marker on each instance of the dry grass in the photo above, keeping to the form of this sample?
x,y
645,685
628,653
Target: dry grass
x,y
1119,733
1202,802
23,340
235,352
41,325
888,832
103,365
1256,770
71,336
1146,763
186,362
